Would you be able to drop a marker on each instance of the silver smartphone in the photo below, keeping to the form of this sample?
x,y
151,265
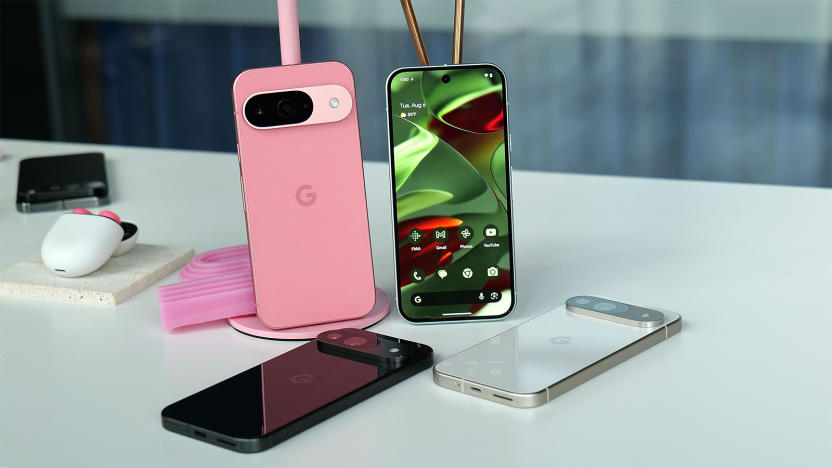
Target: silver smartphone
x,y
534,362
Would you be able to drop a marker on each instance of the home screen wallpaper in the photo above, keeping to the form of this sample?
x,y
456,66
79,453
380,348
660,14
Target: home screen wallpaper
x,y
451,184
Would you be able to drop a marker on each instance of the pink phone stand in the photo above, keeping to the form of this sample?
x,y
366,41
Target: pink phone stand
x,y
251,325
217,285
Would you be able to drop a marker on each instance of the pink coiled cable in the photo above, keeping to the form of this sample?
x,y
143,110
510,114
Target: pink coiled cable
x,y
214,285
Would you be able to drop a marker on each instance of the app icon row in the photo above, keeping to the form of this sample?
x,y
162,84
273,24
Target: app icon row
x,y
455,297
417,275
441,234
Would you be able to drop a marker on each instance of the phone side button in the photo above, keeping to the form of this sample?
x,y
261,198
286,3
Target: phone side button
x,y
243,196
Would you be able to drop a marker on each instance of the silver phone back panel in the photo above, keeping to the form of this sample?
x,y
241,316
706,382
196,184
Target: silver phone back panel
x,y
543,357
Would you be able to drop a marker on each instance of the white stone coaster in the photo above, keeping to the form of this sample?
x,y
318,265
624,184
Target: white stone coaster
x,y
119,278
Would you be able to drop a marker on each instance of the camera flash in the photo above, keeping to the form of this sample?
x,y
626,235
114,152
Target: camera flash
x,y
333,103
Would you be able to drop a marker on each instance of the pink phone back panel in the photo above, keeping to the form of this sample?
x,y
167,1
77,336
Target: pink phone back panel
x,y
311,262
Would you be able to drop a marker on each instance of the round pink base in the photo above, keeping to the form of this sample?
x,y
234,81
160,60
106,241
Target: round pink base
x,y
251,325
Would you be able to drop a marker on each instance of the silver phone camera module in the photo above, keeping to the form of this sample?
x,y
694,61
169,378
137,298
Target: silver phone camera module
x,y
615,311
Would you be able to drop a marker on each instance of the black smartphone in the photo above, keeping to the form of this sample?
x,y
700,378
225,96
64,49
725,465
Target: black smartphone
x,y
62,182
269,403
450,172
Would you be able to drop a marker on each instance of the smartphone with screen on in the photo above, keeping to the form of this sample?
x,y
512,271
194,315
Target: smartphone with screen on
x,y
542,358
302,178
269,403
450,179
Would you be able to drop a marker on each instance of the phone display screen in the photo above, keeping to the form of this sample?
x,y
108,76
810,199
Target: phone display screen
x,y
450,172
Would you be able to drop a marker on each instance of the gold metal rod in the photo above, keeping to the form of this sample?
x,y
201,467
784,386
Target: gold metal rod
x,y
415,35
459,19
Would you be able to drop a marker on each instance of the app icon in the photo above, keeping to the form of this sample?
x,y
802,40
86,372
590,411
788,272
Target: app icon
x,y
442,273
415,236
417,275
440,235
467,273
493,271
465,233
417,299
495,296
490,231
481,296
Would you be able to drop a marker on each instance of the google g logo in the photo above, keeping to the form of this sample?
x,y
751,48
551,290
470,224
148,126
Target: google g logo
x,y
305,195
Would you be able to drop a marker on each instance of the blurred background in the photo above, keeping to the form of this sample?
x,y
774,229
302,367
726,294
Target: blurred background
x,y
730,90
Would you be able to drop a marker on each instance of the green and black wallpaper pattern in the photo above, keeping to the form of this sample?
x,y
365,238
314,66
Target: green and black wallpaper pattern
x,y
450,171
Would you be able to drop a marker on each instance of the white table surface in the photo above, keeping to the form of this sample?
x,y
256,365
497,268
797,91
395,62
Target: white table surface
x,y
746,383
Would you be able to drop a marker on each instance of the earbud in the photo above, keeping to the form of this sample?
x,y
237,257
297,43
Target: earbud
x,y
111,215
79,245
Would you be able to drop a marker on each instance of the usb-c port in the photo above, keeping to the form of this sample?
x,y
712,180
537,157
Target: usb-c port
x,y
200,434
476,389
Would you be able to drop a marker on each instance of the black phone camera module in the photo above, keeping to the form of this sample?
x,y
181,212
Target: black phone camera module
x,y
276,109
367,347
446,78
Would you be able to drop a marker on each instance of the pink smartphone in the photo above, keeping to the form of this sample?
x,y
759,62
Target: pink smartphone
x,y
303,193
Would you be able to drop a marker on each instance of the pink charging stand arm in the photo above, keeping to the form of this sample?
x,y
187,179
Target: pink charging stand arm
x,y
287,22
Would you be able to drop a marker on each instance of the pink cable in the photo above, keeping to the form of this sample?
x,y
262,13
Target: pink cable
x,y
214,285
287,22
217,262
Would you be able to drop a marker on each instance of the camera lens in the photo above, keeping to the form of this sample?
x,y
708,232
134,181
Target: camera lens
x,y
286,109
446,78
281,108
355,341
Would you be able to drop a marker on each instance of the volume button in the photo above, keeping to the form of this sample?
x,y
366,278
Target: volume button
x,y
243,196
